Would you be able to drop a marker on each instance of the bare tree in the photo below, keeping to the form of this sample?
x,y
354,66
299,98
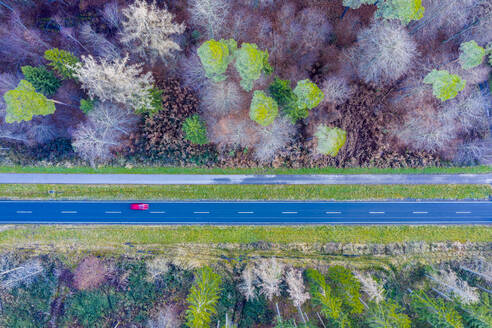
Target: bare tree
x,y
192,71
156,267
221,98
448,282
336,90
296,290
210,14
479,267
24,273
269,273
147,30
371,287
111,14
115,81
384,52
95,139
471,153
166,317
274,138
97,43
247,286
470,111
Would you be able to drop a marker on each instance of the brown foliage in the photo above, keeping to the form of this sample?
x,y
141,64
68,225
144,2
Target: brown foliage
x,y
160,137
90,273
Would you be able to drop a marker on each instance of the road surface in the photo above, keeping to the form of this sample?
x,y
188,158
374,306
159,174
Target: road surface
x,y
203,212
205,179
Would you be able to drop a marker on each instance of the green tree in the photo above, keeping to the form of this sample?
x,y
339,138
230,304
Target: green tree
x,y
355,4
86,105
23,102
322,296
308,94
330,140
263,109
202,299
250,63
478,315
346,287
216,56
387,314
471,54
155,103
62,62
435,312
195,130
403,10
444,85
43,81
281,91
89,308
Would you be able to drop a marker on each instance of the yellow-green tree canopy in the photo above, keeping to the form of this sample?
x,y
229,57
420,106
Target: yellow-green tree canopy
x,y
216,57
62,62
471,54
330,140
308,94
263,109
202,298
250,63
403,10
24,102
444,85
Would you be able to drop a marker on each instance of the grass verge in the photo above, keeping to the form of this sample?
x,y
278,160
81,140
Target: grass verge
x,y
113,236
245,192
201,170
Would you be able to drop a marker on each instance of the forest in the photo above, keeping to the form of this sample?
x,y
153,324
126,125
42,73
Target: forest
x,y
245,83
163,292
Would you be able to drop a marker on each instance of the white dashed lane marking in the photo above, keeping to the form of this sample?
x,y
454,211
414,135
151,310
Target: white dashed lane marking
x,y
463,212
289,212
69,212
245,212
376,212
420,212
201,212
157,212
24,212
333,212
113,212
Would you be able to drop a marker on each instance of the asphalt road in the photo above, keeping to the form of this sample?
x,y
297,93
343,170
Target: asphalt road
x,y
203,179
69,212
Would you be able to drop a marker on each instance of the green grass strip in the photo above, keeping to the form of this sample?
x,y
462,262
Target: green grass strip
x,y
200,170
245,192
107,236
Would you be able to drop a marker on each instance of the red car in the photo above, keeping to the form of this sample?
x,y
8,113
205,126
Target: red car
x,y
139,207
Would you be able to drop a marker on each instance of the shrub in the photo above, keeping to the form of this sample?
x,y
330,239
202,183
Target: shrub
x,y
250,63
281,91
263,109
308,94
62,62
384,52
90,274
195,130
89,308
444,85
215,57
471,54
23,102
330,140
41,79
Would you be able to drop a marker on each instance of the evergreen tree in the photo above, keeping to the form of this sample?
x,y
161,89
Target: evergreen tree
x,y
435,312
42,80
202,298
195,130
